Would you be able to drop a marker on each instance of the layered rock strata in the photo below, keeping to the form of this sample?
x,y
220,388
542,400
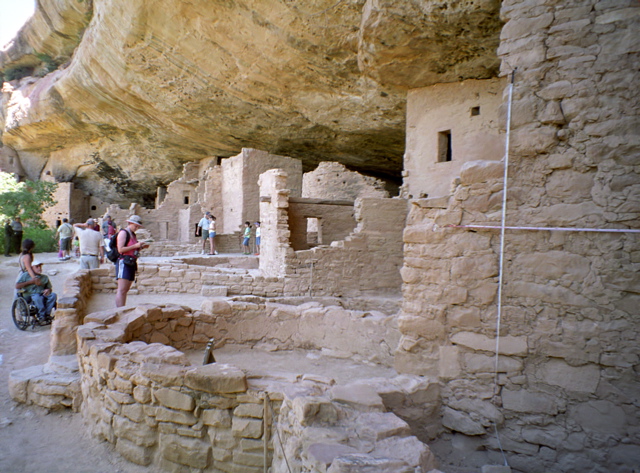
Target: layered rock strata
x,y
142,89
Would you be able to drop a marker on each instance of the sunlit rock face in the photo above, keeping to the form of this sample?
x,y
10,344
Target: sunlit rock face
x,y
145,86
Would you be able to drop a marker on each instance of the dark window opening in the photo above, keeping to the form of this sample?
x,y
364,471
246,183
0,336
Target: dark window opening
x,y
475,111
444,146
93,207
186,200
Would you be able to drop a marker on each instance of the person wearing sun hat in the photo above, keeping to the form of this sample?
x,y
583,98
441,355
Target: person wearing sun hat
x,y
39,289
126,266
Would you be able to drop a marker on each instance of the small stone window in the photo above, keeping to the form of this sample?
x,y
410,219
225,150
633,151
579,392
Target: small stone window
x,y
475,111
186,200
314,231
444,146
93,207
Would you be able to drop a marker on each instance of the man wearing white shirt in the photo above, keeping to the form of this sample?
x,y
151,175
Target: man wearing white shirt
x,y
91,245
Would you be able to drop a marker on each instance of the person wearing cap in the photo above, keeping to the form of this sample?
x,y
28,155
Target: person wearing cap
x,y
91,245
127,265
39,289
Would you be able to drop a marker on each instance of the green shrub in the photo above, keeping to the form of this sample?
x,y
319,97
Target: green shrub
x,y
44,238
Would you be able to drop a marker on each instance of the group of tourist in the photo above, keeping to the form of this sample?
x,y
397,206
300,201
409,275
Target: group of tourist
x,y
89,240
93,243
206,230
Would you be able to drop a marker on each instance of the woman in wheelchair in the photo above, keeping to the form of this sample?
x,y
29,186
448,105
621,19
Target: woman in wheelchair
x,y
38,289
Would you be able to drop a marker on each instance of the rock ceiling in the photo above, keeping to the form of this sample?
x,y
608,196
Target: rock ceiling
x,y
121,93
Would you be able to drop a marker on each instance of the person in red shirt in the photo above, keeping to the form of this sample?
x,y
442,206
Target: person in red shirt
x,y
127,265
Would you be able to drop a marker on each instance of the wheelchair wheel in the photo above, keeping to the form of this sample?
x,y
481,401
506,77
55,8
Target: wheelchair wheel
x,y
21,314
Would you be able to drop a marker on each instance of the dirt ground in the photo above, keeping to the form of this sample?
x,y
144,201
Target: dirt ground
x,y
33,439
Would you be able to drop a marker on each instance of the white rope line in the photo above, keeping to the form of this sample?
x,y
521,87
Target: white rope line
x,y
502,230
549,229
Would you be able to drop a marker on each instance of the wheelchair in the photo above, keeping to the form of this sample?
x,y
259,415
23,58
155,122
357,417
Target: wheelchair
x,y
25,313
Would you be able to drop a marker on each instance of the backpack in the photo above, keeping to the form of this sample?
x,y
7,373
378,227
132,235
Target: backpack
x,y
113,254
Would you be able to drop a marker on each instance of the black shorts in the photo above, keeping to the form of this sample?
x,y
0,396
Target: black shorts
x,y
124,271
65,244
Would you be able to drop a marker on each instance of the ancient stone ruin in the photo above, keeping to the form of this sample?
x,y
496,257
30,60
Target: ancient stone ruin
x,y
487,300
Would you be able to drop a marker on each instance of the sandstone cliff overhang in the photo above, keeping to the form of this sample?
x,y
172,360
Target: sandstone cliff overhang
x,y
142,87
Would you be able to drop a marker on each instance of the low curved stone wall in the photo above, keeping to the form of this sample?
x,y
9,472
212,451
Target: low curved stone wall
x,y
145,397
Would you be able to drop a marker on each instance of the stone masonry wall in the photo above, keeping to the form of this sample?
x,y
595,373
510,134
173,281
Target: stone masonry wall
x,y
367,261
564,395
335,221
469,112
156,408
142,395
333,181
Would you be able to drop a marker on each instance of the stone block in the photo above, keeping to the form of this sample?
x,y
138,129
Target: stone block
x,y
409,449
246,427
191,452
219,418
362,463
477,363
123,385
174,399
530,402
480,409
325,453
177,417
166,374
221,454
138,433
216,307
19,382
196,431
223,439
249,410
142,394
459,421
133,412
216,378
134,453
583,379
252,445
551,435
120,398
310,409
599,416
449,362
360,396
249,459
214,291
377,426
508,345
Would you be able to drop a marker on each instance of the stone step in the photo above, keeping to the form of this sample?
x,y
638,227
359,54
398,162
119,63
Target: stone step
x,y
214,291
